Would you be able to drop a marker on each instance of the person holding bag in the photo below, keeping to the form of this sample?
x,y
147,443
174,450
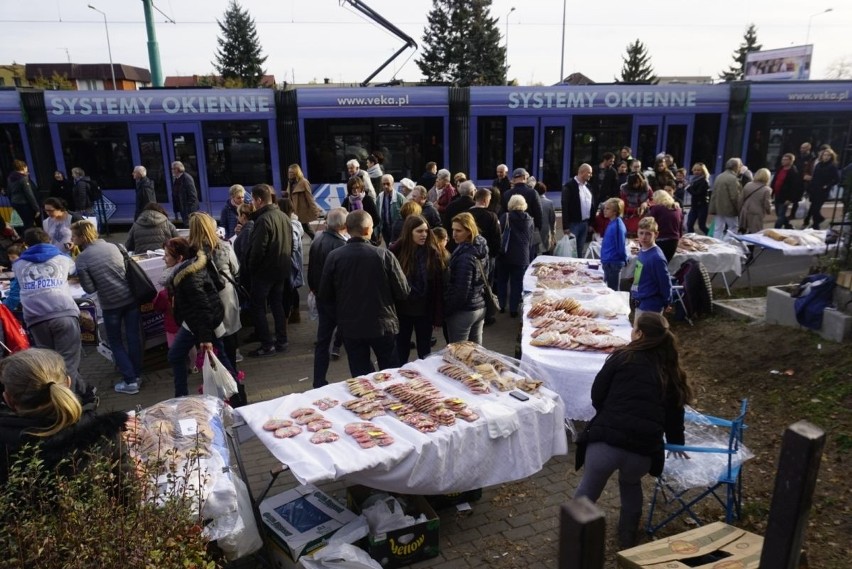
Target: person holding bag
x,y
639,397
517,253
101,268
464,304
757,202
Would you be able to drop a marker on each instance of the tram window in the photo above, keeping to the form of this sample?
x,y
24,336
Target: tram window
x,y
592,136
237,152
773,134
490,146
676,142
11,149
151,156
705,140
406,143
101,150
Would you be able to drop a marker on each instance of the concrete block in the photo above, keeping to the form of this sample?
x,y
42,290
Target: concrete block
x,y
780,306
836,325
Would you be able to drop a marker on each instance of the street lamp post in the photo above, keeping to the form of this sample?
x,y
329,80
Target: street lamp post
x,y
506,63
562,60
812,16
109,47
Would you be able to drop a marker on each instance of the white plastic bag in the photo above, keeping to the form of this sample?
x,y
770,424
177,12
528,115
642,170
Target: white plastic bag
x,y
339,556
313,313
385,514
218,381
566,247
244,539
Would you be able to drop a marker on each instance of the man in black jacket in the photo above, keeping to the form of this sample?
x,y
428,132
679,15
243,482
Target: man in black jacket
x,y
269,264
363,283
332,238
578,206
184,194
519,186
605,179
502,180
488,225
430,212
459,205
144,190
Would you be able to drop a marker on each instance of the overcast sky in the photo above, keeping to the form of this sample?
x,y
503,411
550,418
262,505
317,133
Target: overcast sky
x,y
312,39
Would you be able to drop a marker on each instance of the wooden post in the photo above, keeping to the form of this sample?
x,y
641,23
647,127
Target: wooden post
x,y
582,530
801,452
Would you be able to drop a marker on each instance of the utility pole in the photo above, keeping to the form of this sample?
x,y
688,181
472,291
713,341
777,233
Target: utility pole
x,y
153,46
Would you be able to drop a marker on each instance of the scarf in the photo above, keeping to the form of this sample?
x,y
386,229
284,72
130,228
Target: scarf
x,y
356,202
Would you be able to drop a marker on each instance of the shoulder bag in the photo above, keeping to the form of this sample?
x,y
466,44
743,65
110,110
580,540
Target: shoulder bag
x,y
492,306
141,287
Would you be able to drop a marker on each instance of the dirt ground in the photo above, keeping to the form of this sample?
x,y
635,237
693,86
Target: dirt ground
x,y
729,360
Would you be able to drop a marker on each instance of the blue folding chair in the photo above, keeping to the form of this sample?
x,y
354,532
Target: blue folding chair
x,y
727,489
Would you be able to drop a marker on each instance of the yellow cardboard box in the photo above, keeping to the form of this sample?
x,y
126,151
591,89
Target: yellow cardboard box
x,y
714,546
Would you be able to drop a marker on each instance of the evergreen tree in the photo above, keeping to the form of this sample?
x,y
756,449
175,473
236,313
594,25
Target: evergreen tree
x,y
239,55
461,44
637,65
736,72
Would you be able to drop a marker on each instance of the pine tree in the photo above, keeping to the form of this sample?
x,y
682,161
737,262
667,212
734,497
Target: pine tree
x,y
461,45
637,65
736,72
239,55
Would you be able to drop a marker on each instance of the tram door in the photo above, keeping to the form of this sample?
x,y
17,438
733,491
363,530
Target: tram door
x,y
185,145
657,133
540,145
147,147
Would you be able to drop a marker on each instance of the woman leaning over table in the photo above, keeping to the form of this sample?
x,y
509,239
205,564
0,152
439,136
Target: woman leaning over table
x,y
101,269
464,305
638,395
38,407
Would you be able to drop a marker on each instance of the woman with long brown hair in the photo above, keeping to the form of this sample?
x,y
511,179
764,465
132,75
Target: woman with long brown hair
x,y
424,267
639,396
299,190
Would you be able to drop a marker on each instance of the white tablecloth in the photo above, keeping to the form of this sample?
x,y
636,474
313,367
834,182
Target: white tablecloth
x,y
786,249
720,258
573,372
452,459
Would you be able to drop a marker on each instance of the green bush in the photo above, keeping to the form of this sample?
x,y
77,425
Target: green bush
x,y
98,511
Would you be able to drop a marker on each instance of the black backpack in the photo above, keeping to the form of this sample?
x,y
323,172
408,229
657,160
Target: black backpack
x,y
94,191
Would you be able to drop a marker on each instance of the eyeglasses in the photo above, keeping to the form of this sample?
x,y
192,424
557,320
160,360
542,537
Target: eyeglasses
x,y
49,211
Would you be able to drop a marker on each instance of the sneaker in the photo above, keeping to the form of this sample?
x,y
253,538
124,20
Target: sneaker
x,y
282,347
239,356
335,353
263,352
128,388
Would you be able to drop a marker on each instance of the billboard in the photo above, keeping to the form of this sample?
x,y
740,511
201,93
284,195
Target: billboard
x,y
788,63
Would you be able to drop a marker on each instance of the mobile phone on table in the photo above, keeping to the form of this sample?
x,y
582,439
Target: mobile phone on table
x,y
519,395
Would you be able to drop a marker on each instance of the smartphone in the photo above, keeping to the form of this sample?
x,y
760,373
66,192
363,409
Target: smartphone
x,y
519,395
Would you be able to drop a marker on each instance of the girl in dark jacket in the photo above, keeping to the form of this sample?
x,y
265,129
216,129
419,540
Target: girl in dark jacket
x,y
825,176
638,396
517,253
41,409
699,190
198,312
464,305
424,267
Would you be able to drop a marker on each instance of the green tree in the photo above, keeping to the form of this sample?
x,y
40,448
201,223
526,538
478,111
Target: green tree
x,y
736,72
55,82
239,54
461,44
637,65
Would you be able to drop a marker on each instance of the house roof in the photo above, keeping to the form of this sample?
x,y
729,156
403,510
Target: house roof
x,y
88,71
193,80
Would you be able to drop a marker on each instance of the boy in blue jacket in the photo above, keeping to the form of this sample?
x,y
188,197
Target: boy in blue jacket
x,y
652,285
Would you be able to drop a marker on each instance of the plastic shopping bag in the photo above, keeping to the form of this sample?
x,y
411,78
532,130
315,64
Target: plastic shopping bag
x,y
566,247
313,313
217,379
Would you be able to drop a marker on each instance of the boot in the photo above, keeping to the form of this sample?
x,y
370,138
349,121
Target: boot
x,y
628,530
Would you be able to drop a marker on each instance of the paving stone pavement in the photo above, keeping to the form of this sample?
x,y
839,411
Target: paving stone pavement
x,y
513,525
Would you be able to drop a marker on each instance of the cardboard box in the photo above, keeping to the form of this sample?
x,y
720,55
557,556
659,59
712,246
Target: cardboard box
x,y
844,279
303,519
404,546
714,546
441,501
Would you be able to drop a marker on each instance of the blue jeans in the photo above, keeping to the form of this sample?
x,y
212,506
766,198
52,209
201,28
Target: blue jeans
x,y
511,277
184,341
698,212
128,359
358,353
781,211
580,230
612,274
265,292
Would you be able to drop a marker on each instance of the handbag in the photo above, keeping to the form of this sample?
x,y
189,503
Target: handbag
x,y
492,305
141,287
218,381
